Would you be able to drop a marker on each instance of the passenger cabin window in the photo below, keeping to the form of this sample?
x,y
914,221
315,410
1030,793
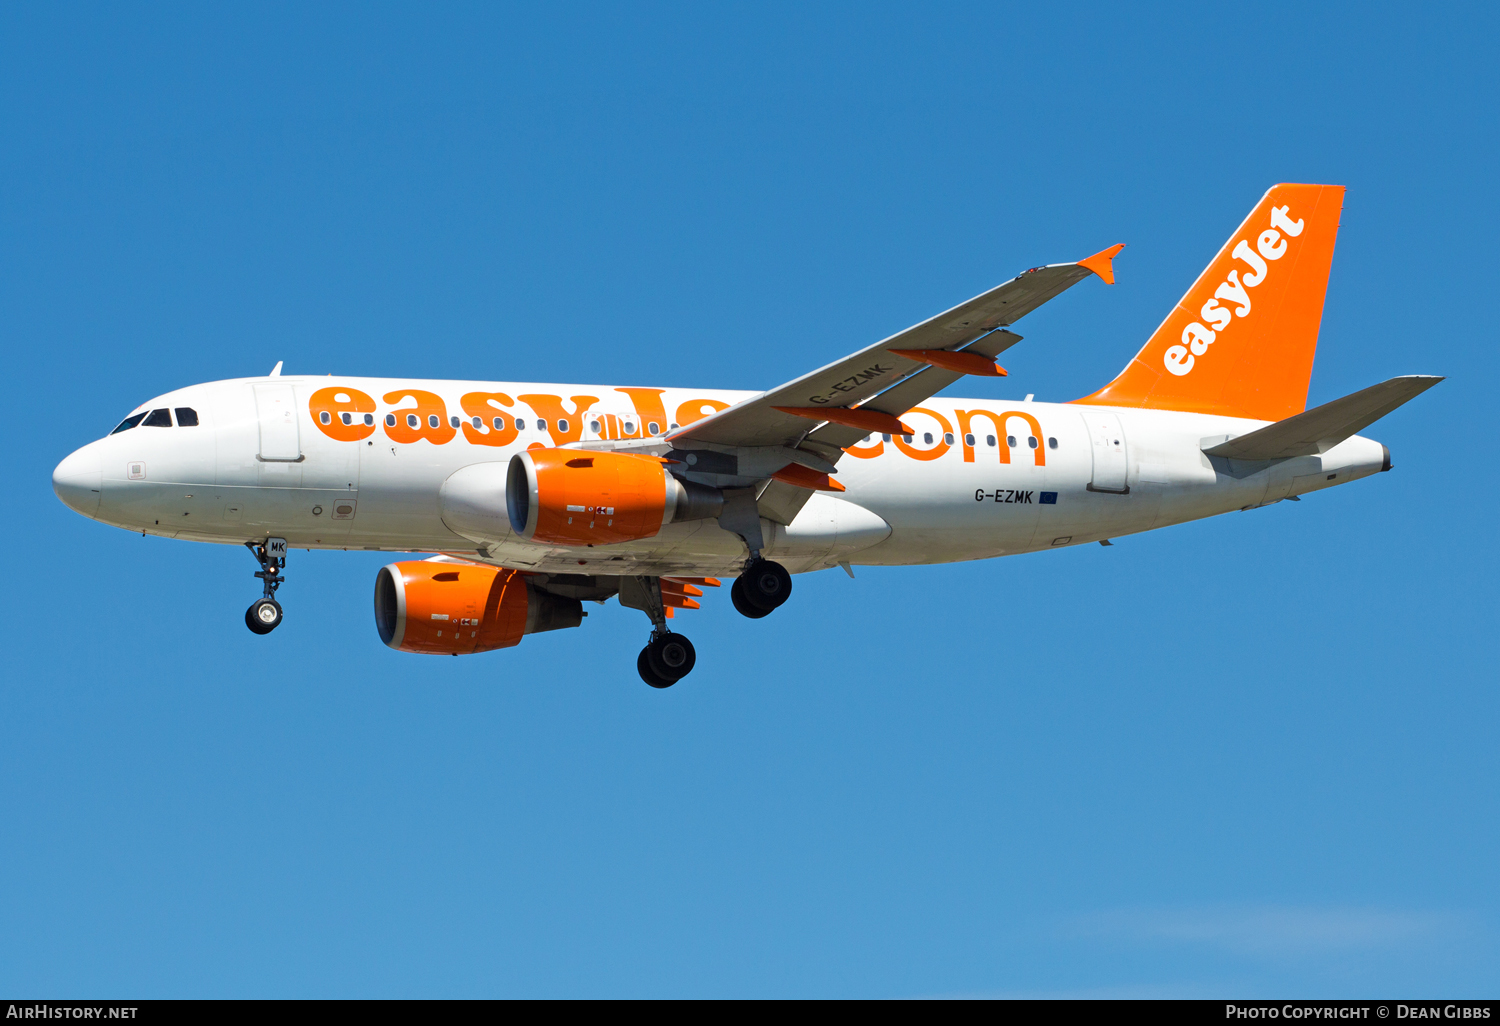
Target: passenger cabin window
x,y
541,425
989,440
454,420
653,429
968,440
562,427
128,423
1031,441
948,437
157,418
594,426
327,418
499,423
520,424
479,424
369,420
347,418
432,420
927,438
390,420
186,416
1052,443
1010,440
411,420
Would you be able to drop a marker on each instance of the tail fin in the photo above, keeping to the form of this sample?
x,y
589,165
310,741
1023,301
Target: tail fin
x,y
1241,342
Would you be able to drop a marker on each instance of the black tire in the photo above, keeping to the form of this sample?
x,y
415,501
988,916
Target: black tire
x,y
263,616
766,584
649,675
252,622
741,603
671,656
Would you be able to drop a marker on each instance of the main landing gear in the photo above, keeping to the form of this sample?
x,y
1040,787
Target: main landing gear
x,y
762,587
666,659
264,614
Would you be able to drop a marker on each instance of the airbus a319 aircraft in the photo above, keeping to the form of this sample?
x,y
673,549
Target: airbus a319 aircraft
x,y
537,498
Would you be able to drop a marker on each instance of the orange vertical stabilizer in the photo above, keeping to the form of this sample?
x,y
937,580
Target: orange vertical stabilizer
x,y
1241,342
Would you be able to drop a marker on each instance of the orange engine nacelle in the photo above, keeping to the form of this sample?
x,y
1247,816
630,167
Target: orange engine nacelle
x,y
577,497
459,608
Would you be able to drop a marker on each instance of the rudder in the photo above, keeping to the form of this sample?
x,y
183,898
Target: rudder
x,y
1241,341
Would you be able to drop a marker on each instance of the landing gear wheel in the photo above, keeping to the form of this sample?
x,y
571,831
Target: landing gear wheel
x,y
649,675
765,584
670,656
263,616
741,603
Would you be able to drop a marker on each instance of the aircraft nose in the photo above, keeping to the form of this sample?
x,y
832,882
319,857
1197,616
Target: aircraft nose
x,y
77,480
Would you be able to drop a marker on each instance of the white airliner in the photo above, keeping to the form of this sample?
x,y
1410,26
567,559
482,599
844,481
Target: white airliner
x,y
539,497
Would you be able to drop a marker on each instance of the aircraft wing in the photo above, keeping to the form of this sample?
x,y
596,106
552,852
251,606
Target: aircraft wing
x,y
880,380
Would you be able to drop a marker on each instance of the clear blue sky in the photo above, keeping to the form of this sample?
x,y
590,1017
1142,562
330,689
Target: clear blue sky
x,y
1251,756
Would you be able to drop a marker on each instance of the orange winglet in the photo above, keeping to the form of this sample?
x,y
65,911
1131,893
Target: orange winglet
x,y
867,420
1101,263
796,474
964,363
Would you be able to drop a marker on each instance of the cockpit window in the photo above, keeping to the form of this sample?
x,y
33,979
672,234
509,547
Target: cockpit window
x,y
186,416
157,418
128,423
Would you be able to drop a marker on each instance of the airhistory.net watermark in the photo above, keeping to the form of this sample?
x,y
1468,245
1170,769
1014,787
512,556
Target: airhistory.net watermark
x,y
46,1010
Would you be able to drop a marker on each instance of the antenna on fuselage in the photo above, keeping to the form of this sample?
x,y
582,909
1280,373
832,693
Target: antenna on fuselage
x,y
276,370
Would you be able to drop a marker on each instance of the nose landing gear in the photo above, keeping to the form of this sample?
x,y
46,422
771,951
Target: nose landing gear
x,y
264,614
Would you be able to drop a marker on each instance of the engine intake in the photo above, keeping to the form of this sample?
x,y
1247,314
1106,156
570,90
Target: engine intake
x,y
461,608
576,497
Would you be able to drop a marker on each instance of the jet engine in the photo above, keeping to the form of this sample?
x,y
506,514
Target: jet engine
x,y
459,608
576,497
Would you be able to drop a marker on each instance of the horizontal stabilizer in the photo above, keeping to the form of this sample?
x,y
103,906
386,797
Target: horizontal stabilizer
x,y
1315,431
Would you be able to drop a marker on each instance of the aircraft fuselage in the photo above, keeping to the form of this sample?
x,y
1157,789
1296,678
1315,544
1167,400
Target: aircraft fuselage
x,y
978,478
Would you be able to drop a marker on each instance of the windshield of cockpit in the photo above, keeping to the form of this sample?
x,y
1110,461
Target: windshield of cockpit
x,y
186,417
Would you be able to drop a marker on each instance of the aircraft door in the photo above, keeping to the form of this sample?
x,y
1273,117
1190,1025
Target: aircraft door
x,y
1111,454
276,408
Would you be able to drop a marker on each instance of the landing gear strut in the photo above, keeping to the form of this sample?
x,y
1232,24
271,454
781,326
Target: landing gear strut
x,y
762,587
264,614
